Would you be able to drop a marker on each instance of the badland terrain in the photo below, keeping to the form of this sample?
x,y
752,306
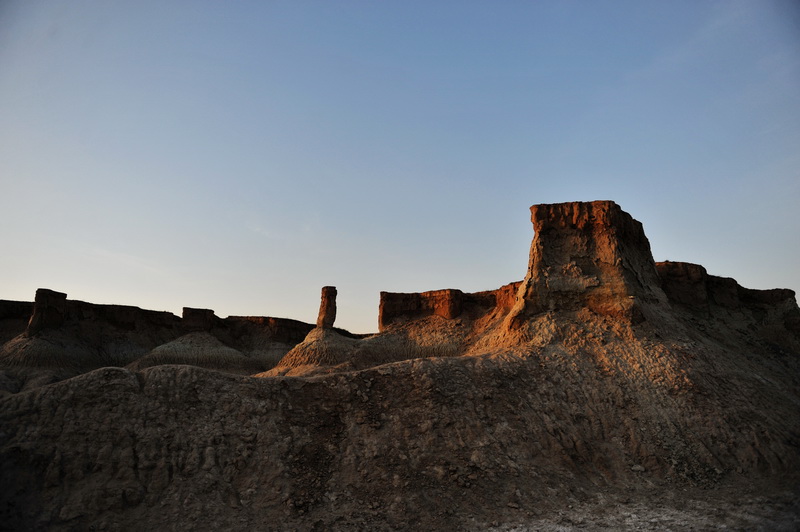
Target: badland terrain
x,y
603,391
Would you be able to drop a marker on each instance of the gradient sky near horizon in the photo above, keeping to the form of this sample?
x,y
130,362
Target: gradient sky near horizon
x,y
239,156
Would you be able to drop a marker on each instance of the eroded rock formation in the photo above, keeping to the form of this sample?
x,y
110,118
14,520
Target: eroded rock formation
x,y
56,333
198,319
601,381
448,303
327,308
395,305
589,255
49,311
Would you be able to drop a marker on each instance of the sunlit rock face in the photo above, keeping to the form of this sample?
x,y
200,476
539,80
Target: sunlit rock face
x,y
587,255
327,308
446,303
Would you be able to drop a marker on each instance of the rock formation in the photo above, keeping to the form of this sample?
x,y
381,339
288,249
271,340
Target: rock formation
x,y
587,255
49,311
198,319
600,388
327,308
449,304
444,303
65,337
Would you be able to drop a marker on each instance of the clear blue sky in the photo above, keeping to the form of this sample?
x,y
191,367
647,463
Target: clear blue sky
x,y
240,155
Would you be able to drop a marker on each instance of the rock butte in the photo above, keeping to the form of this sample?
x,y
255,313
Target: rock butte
x,y
601,377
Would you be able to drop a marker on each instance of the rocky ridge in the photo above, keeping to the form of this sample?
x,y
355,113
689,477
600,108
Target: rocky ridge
x,y
601,380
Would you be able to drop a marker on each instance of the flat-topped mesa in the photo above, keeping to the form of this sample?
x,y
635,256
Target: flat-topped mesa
x,y
198,319
587,255
327,308
448,303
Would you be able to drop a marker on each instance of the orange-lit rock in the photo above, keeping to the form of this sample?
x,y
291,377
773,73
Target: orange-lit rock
x,y
588,255
394,305
327,307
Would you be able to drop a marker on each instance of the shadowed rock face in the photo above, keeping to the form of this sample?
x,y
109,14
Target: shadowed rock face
x,y
198,319
772,314
49,311
691,286
587,255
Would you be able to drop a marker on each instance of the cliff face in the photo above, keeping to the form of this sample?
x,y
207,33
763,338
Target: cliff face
x,y
450,304
711,303
587,255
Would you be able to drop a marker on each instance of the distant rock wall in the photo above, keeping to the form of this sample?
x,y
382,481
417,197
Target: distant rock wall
x,y
199,319
393,305
448,303
281,330
690,287
118,334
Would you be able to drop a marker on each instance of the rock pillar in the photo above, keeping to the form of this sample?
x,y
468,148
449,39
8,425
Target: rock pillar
x,y
327,308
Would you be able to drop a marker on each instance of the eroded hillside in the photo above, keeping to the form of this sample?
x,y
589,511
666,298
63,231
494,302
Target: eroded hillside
x,y
599,383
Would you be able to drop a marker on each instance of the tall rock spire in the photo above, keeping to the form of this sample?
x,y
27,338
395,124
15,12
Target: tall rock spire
x,y
327,308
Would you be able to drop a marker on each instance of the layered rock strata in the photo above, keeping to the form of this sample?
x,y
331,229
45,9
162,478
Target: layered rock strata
x,y
589,255
399,431
449,303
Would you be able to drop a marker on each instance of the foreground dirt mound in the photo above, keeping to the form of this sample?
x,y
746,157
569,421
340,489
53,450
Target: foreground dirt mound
x,y
603,390
440,443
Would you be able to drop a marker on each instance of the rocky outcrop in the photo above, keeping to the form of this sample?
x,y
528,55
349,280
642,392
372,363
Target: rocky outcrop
x,y
684,283
396,305
690,285
281,330
49,311
327,308
449,303
199,319
75,335
590,255
773,313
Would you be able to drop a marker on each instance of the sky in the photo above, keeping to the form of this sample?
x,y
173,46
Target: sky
x,y
239,156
